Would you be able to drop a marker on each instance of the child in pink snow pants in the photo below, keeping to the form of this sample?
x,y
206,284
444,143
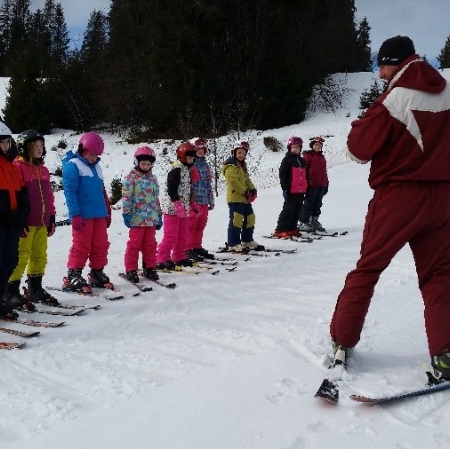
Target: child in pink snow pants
x,y
142,214
176,206
202,187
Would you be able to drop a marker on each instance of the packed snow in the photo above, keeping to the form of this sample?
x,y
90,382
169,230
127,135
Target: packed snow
x,y
230,361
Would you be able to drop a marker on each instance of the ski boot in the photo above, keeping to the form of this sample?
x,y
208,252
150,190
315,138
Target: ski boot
x,y
202,252
150,273
341,355
167,265
76,282
254,246
7,312
316,225
132,276
193,255
98,278
15,300
441,363
239,248
183,263
305,227
36,293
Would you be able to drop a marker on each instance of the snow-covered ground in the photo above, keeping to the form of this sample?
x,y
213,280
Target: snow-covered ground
x,y
230,361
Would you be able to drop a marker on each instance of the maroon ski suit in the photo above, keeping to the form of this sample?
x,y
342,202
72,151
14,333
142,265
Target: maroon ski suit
x,y
406,136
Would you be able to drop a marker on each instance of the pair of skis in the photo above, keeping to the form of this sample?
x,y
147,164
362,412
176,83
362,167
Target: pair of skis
x,y
143,287
329,389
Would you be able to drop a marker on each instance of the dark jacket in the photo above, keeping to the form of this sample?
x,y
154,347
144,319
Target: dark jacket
x,y
293,174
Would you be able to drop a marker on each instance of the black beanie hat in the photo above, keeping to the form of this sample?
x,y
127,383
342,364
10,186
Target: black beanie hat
x,y
395,50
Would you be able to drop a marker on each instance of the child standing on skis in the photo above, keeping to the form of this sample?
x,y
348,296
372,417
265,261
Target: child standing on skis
x,y
39,226
293,184
14,209
203,192
142,214
241,192
176,204
89,212
316,172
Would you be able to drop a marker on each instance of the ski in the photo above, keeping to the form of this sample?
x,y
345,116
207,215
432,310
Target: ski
x,y
434,385
19,333
399,396
233,259
185,270
35,323
292,238
329,234
272,250
230,262
77,306
171,285
72,312
115,295
141,287
11,345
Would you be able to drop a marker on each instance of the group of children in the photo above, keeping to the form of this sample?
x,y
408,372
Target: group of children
x,y
27,214
304,182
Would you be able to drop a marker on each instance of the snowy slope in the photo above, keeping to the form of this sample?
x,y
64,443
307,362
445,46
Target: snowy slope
x,y
233,360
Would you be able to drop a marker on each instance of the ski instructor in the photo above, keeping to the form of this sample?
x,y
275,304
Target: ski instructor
x,y
406,136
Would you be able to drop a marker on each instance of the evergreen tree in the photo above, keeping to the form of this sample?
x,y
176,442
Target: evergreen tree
x,y
364,60
444,56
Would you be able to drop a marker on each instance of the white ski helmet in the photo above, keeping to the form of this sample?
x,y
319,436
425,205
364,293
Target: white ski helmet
x,y
4,130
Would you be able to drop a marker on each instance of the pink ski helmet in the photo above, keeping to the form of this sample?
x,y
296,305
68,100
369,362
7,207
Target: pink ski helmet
x,y
198,143
92,142
294,140
144,154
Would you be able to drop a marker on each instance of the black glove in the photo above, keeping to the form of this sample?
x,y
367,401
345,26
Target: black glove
x,y
51,226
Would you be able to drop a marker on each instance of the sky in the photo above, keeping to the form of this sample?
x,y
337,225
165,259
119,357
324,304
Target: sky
x,y
426,23
230,361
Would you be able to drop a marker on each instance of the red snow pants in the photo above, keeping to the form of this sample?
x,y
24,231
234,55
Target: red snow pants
x,y
140,239
175,240
197,224
90,243
401,213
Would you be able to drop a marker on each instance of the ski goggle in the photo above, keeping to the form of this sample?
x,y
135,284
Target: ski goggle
x,y
317,139
241,144
200,143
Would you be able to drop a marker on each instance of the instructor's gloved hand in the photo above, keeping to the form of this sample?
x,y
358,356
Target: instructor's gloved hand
x,y
127,220
180,211
77,223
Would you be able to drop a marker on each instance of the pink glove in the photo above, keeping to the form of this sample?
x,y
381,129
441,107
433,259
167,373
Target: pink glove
x,y
180,211
77,223
195,207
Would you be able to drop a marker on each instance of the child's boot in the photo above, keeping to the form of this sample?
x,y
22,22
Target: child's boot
x,y
36,293
75,281
99,279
